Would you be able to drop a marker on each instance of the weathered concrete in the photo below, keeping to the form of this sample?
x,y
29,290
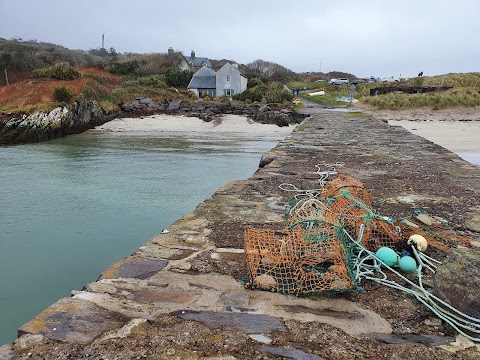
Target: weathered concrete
x,y
247,323
196,266
74,320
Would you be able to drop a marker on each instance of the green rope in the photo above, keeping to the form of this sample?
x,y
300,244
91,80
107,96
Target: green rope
x,y
357,257
455,318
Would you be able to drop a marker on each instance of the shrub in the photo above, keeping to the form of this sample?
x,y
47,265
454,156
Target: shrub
x,y
123,68
178,78
62,94
274,92
156,80
58,73
254,81
418,81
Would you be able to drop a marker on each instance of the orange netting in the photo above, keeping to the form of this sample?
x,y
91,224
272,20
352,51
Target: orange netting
x,y
435,230
313,255
354,186
297,261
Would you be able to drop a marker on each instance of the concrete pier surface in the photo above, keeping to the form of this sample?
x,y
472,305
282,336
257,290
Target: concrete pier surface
x,y
180,296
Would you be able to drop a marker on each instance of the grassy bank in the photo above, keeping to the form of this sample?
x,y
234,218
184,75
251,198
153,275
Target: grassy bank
x,y
465,93
456,97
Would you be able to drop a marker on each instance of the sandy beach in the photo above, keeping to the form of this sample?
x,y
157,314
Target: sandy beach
x,y
456,136
457,130
172,124
422,114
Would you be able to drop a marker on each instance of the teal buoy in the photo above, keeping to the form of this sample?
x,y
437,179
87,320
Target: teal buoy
x,y
407,264
387,255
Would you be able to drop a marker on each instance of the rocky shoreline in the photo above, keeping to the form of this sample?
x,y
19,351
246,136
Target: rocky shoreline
x,y
61,121
85,115
206,110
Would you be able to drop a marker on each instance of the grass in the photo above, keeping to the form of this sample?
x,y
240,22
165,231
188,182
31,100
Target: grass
x,y
334,91
465,93
356,114
455,80
309,85
457,97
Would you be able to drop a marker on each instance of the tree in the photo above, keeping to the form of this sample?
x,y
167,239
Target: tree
x,y
272,70
178,78
99,52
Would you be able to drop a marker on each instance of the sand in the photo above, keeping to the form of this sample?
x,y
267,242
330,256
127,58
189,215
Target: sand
x,y
456,136
456,129
172,124
421,114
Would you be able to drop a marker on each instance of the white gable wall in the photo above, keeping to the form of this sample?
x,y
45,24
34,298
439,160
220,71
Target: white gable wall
x,y
243,83
237,83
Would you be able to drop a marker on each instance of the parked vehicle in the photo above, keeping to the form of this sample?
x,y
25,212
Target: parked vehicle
x,y
338,81
374,79
391,79
359,81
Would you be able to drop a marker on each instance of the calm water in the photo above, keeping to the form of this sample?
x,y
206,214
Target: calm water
x,y
71,207
472,157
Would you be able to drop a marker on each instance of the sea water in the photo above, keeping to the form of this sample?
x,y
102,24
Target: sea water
x,y
71,207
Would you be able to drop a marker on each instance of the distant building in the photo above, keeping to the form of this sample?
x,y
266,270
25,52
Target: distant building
x,y
192,62
225,82
196,63
204,82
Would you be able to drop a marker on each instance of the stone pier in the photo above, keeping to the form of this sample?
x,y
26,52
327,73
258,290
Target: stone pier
x,y
180,295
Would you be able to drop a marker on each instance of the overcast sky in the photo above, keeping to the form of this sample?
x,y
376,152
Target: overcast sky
x,y
367,37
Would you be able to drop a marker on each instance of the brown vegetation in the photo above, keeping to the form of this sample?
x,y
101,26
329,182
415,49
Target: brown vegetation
x,y
37,94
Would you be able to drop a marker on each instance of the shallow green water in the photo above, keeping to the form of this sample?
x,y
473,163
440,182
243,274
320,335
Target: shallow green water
x,y
71,207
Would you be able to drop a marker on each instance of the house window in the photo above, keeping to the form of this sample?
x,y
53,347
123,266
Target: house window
x,y
228,78
228,92
203,92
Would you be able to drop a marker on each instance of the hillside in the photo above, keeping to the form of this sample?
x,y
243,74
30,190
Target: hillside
x,y
20,58
35,71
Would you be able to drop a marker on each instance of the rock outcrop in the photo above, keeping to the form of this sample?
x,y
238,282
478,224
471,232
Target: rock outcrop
x,y
271,114
61,121
457,281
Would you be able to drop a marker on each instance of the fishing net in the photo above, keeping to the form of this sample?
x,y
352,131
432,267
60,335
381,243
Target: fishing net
x,y
312,254
348,212
434,229
298,261
330,241
354,186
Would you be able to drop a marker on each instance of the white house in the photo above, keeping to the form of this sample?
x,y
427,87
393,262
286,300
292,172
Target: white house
x,y
225,82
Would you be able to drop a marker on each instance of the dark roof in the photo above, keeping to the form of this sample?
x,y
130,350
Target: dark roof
x,y
203,82
203,79
198,61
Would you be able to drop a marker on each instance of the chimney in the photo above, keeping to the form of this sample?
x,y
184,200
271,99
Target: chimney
x,y
170,51
235,65
193,55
